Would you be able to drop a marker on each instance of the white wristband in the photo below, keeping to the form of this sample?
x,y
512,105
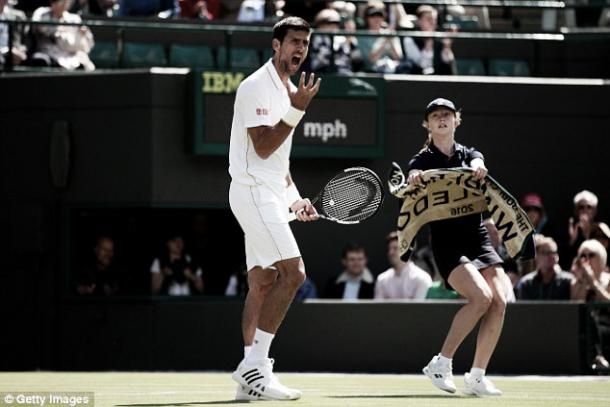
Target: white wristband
x,y
292,194
293,116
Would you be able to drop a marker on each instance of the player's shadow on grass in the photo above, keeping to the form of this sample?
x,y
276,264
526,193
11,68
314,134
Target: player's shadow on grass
x,y
219,402
184,403
396,396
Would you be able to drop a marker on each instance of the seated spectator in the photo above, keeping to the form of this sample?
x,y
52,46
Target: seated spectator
x,y
251,10
195,9
94,8
581,224
534,208
238,283
601,233
547,281
18,51
379,54
592,284
61,45
172,273
346,51
356,281
402,280
101,277
426,55
398,17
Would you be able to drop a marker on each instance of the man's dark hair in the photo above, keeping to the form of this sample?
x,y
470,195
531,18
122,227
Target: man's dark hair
x,y
350,248
289,23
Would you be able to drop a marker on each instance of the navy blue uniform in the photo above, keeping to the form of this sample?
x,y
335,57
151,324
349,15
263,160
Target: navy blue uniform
x,y
458,240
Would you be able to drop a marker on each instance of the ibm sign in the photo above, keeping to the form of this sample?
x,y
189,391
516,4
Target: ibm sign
x,y
344,119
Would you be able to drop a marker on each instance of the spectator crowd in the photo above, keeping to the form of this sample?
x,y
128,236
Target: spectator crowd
x,y
571,263
375,46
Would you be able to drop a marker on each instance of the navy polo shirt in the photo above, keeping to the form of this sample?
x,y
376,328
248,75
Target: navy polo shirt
x,y
432,158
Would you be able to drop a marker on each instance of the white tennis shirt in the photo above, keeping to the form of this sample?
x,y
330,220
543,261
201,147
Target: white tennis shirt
x,y
261,100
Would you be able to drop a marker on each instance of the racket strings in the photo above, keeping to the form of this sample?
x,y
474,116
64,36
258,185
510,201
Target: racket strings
x,y
352,196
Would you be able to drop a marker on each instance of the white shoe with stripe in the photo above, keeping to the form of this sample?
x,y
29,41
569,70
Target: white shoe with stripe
x,y
244,393
441,375
261,380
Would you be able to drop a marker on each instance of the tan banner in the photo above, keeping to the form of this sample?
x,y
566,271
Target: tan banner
x,y
453,192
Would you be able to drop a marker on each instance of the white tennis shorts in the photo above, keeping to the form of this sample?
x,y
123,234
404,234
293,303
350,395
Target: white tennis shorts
x,y
262,215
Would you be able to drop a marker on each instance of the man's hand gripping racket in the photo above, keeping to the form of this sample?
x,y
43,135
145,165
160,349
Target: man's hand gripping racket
x,y
353,195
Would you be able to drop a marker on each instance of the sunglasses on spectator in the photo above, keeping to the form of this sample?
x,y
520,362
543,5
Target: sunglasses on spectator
x,y
584,206
587,255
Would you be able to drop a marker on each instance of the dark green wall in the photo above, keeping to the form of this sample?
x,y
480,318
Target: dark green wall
x,y
129,138
319,336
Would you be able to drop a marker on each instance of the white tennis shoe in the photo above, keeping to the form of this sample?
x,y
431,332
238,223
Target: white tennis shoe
x,y
440,374
479,386
244,393
260,379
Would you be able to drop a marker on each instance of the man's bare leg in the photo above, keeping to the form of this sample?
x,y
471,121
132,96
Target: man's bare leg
x,y
255,373
291,274
260,282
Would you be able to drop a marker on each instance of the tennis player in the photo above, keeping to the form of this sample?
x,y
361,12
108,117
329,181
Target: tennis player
x,y
465,257
268,106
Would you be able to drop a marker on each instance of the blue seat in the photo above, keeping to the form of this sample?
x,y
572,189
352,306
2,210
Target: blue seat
x,y
470,66
191,56
104,54
508,67
241,58
143,55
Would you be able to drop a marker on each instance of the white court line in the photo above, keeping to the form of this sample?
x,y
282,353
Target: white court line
x,y
584,378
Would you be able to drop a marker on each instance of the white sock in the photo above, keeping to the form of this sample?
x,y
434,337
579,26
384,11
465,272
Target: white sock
x,y
247,350
260,347
444,360
477,372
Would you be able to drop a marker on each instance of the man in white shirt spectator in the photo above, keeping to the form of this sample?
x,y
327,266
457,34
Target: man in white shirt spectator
x,y
356,282
402,280
18,51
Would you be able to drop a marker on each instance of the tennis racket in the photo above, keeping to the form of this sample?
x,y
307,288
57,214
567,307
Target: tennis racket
x,y
353,195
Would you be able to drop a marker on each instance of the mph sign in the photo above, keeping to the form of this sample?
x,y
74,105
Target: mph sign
x,y
344,119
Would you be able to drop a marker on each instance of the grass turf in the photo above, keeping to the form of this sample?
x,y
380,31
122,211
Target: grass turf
x,y
320,390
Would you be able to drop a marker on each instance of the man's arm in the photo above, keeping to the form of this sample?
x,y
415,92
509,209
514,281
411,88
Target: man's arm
x,y
267,139
301,207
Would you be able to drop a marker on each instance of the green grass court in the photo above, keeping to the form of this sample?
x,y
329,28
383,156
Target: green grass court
x,y
319,390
